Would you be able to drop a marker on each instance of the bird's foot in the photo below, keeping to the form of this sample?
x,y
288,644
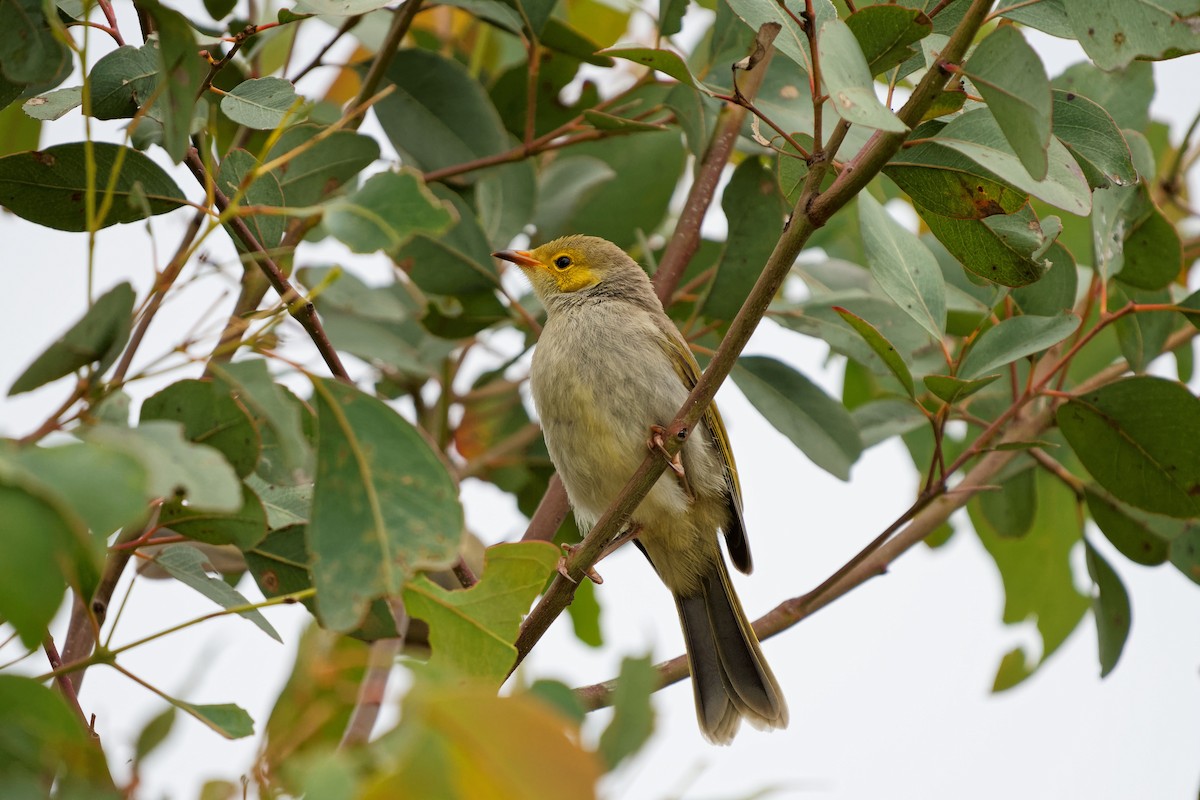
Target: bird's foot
x,y
656,444
591,573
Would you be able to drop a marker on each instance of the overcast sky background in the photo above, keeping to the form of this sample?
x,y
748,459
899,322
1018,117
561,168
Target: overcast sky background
x,y
888,688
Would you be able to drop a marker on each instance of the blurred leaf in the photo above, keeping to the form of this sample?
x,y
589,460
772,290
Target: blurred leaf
x,y
437,94
386,212
49,187
43,738
1125,94
1115,32
633,714
472,630
18,131
284,505
903,266
563,185
1185,551
106,488
505,196
754,212
245,527
188,566
154,733
1036,572
339,8
952,389
585,615
384,504
791,41
99,336
263,191
1048,16
1153,253
174,466
1136,437
1132,533
886,34
1010,76
457,262
1142,336
210,416
560,697
455,724
29,51
885,349
848,79
181,71
1110,606
1014,338
1054,292
262,103
1090,134
277,414
816,423
1011,510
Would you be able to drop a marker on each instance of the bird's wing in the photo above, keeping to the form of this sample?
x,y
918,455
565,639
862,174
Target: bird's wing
x,y
688,370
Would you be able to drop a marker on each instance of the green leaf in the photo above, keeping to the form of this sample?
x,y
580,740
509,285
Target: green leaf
x,y
1047,16
244,528
1123,93
903,266
309,176
1015,338
1013,82
227,719
181,72
610,122
389,209
1115,32
564,185
505,196
633,714
1185,551
210,416
848,79
1011,510
1132,533
879,420
438,116
585,615
49,186
1091,136
384,504
42,737
262,191
456,263
339,8
671,16
886,34
1142,336
1110,606
37,530
277,414
660,60
174,465
107,489
816,423
29,51
190,567
123,80
262,103
1153,253
284,505
952,389
754,213
154,733
1055,292
18,131
472,631
791,42
1001,249
99,337
1036,572
882,347
54,105
1136,437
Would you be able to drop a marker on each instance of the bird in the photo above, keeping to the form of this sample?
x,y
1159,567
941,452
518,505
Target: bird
x,y
609,372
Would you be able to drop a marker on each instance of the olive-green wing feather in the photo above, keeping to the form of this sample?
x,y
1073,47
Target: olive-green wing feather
x,y
688,370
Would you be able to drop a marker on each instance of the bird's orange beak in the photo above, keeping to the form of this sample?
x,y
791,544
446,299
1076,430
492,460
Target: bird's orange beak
x,y
522,258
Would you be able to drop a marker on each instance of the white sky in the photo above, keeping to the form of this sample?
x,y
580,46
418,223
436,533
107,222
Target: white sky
x,y
888,688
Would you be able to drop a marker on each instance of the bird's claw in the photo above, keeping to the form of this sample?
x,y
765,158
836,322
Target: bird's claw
x,y
656,443
591,573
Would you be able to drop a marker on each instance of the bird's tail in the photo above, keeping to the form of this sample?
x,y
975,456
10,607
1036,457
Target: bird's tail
x,y
730,677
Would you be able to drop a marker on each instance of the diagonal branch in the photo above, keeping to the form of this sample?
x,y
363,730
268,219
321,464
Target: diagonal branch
x,y
812,210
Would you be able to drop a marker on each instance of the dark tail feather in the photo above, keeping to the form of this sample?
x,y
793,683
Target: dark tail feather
x,y
730,677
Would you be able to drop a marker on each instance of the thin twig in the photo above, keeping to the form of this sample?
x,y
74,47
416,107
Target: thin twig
x,y
374,683
62,681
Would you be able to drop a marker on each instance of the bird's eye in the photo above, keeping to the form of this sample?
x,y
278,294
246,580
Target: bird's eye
x,y
562,262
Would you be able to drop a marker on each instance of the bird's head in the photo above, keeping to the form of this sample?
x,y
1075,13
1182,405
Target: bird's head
x,y
573,264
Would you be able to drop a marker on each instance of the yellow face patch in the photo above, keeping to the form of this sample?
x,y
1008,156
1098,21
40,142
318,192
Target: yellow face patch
x,y
567,268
